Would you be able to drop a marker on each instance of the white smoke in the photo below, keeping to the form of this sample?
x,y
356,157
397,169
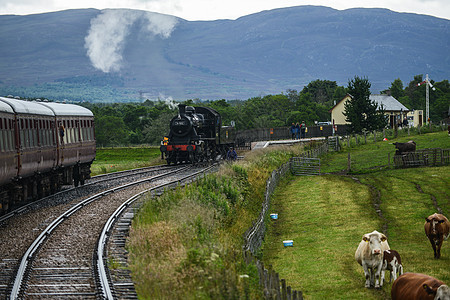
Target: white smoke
x,y
168,101
108,32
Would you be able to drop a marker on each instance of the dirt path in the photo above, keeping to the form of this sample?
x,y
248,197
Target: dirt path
x,y
375,196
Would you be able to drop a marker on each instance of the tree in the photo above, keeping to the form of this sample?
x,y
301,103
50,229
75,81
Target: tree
x,y
110,130
154,132
416,94
339,94
321,91
362,113
397,89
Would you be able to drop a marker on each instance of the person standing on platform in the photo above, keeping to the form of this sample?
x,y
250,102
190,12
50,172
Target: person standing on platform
x,y
303,129
292,129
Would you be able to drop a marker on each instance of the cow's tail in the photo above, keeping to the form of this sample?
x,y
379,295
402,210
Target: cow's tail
x,y
400,270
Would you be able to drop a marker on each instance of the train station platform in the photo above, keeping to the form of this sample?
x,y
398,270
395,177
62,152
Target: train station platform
x,y
265,144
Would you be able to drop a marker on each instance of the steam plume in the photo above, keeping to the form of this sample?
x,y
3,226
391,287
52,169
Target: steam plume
x,y
108,32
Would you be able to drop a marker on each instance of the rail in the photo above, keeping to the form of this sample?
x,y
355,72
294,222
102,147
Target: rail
x,y
103,239
31,251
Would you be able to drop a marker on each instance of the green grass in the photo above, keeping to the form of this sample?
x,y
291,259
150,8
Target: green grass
x,y
327,215
187,243
373,156
117,159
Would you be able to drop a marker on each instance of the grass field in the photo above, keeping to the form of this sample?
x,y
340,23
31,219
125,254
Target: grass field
x,y
327,215
374,156
124,158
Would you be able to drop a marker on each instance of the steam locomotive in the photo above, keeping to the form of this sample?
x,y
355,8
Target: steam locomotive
x,y
196,135
43,146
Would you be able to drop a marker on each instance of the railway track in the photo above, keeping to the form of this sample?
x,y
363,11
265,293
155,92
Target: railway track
x,y
59,262
94,180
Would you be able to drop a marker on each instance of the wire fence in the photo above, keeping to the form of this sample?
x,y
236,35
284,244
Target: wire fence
x,y
273,287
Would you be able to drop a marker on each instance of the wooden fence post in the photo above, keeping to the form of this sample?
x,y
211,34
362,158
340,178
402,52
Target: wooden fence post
x,y
276,285
348,163
283,289
389,159
374,136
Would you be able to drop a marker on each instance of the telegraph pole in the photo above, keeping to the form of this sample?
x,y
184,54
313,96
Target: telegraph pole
x,y
427,103
427,97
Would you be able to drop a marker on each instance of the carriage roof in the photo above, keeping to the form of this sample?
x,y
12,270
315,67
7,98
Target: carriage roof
x,y
27,107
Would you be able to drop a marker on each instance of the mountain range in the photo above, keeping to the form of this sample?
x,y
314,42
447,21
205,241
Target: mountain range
x,y
122,54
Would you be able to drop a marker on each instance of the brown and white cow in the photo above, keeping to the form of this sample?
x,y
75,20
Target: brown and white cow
x,y
415,286
437,229
393,263
369,255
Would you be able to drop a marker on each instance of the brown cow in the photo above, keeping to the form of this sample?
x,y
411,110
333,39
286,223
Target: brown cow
x,y
437,229
415,286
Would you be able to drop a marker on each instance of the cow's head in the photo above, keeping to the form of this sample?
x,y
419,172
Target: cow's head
x,y
374,239
441,293
434,222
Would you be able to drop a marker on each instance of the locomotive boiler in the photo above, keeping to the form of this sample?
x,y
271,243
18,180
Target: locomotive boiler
x,y
43,146
196,134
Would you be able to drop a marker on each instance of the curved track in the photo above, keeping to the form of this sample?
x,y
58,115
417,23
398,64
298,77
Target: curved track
x,y
54,244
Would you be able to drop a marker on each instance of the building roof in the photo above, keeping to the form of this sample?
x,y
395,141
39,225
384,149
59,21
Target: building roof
x,y
389,103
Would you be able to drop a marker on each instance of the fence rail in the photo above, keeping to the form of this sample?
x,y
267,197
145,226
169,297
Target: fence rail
x,y
305,166
423,157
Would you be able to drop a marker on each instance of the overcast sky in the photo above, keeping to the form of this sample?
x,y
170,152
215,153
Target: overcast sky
x,y
221,9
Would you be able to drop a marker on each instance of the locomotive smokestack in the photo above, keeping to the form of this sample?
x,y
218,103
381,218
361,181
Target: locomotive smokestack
x,y
182,109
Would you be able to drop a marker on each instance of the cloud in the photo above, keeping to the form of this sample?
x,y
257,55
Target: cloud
x,y
107,35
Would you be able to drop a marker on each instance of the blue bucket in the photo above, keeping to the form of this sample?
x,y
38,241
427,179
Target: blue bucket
x,y
288,243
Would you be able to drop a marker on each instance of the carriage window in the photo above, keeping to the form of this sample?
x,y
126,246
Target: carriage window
x,y
49,133
30,133
77,131
2,137
22,134
40,132
8,134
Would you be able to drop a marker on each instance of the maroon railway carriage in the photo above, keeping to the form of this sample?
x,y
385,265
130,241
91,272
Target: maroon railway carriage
x,y
43,146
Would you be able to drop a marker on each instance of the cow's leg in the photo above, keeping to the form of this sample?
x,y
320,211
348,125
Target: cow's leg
x,y
438,250
394,269
433,244
377,273
367,275
393,273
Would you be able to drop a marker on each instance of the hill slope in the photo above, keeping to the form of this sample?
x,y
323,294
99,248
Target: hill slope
x,y
147,54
